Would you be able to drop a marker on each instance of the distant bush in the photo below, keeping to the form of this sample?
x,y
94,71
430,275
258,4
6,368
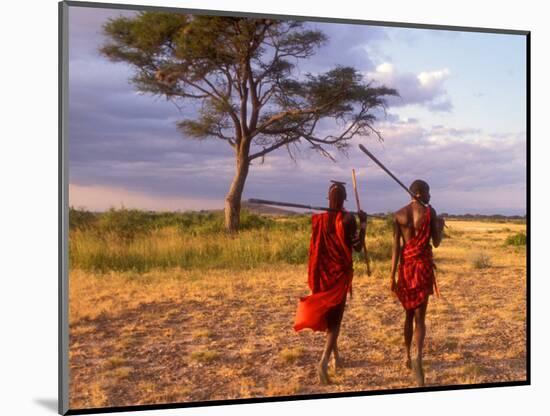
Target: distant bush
x,y
199,223
250,221
481,261
380,249
519,239
301,223
126,223
293,252
81,219
129,223
378,227
388,222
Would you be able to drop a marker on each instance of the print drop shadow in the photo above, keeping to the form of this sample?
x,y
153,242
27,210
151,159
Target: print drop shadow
x,y
49,404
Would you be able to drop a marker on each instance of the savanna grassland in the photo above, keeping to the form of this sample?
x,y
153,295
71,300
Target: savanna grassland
x,y
168,308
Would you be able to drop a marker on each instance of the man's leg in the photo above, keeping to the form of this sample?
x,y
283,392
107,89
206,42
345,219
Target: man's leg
x,y
335,352
337,360
329,345
408,334
420,334
334,318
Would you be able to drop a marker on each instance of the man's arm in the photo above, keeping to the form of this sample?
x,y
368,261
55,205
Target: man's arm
x,y
396,250
360,237
354,238
436,226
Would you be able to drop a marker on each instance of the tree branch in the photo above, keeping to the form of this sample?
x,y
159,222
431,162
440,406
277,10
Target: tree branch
x,y
272,148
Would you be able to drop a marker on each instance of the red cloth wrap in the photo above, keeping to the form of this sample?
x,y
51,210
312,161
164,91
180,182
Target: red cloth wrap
x,y
416,268
330,272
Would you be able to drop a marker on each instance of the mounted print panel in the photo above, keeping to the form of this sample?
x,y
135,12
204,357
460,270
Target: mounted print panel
x,y
264,208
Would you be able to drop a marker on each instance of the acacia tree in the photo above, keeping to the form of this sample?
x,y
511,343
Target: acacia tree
x,y
242,73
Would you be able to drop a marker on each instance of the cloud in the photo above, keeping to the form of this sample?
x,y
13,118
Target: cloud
x,y
433,80
125,147
488,168
470,171
426,88
347,45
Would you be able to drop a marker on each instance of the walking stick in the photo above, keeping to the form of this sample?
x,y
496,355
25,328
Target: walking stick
x,y
359,209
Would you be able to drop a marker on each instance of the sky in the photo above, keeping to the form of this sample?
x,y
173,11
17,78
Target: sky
x,y
459,123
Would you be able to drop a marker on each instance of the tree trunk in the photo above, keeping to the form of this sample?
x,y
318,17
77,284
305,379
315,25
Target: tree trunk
x,y
233,197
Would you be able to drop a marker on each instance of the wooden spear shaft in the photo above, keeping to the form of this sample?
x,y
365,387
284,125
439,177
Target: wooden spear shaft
x,y
385,169
304,206
359,209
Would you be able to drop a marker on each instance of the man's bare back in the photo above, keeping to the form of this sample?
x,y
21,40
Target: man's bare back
x,y
410,218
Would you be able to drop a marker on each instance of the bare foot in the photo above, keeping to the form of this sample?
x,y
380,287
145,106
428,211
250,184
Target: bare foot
x,y
418,372
322,373
408,363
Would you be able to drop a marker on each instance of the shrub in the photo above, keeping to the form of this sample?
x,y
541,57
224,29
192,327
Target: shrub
x,y
250,221
199,223
388,222
380,249
126,223
81,219
293,252
379,228
481,261
519,239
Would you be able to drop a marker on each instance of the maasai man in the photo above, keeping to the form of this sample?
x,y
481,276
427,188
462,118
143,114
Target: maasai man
x,y
416,224
330,272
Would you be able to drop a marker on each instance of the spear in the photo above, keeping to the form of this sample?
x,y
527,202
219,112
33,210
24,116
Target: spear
x,y
358,204
303,206
385,169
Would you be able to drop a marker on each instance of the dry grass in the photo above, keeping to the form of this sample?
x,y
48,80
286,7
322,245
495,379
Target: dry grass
x,y
291,355
179,335
481,261
204,356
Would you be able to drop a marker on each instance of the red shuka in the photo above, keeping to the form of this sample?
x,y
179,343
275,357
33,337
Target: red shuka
x,y
330,272
416,268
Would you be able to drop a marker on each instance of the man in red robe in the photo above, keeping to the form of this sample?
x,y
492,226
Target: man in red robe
x,y
330,272
415,224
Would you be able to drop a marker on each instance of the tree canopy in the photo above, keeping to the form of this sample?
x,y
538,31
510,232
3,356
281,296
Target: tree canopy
x,y
243,74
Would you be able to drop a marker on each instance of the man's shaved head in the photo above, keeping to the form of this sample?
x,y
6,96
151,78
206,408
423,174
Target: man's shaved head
x,y
421,189
419,186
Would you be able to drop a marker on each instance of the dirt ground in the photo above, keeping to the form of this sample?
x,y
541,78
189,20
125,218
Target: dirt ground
x,y
181,336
